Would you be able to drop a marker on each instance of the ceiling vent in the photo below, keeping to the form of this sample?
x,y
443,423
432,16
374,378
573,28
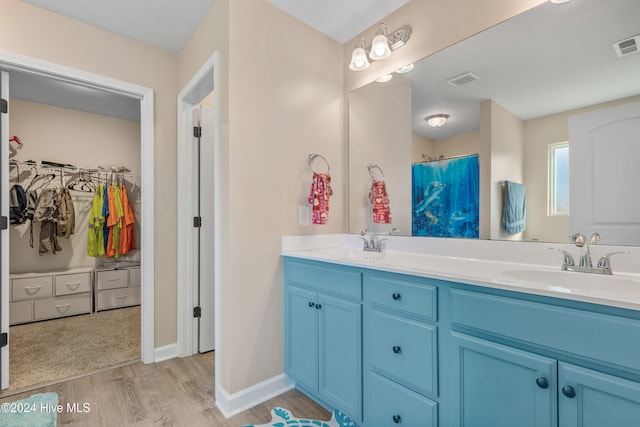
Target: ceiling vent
x,y
463,79
627,47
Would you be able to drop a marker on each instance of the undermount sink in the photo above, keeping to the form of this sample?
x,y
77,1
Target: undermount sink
x,y
570,282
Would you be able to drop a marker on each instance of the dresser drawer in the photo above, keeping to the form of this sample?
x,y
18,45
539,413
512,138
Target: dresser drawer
x,y
112,279
116,298
611,339
76,283
31,287
401,294
403,350
134,277
389,404
48,308
20,312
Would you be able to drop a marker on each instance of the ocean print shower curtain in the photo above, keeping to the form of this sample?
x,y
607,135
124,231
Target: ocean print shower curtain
x,y
446,198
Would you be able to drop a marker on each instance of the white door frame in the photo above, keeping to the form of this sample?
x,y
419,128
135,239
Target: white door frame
x,y
4,262
10,61
200,85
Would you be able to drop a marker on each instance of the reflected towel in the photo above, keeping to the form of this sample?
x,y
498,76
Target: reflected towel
x,y
381,212
514,209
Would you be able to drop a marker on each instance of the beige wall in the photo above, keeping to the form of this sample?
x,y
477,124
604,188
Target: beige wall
x,y
31,31
538,134
282,104
459,145
380,134
71,137
419,146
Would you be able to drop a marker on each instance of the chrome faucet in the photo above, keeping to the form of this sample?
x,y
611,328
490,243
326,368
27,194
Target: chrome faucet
x,y
585,265
370,245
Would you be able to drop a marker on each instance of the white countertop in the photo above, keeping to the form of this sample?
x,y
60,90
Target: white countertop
x,y
622,289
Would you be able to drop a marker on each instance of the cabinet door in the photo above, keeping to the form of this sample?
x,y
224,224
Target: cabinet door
x,y
589,398
301,337
500,386
340,381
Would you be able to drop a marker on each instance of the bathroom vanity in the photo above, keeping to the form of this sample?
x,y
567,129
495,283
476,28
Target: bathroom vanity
x,y
423,340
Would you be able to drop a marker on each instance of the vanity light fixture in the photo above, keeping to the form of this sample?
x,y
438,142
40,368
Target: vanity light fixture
x,y
437,120
359,59
559,1
385,78
381,47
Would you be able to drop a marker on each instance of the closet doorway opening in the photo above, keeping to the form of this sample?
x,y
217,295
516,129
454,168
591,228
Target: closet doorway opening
x,y
68,280
199,206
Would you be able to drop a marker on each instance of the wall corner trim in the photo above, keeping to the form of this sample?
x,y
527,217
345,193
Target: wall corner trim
x,y
233,404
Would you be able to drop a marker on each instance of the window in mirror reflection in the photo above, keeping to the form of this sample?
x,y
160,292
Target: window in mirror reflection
x,y
559,179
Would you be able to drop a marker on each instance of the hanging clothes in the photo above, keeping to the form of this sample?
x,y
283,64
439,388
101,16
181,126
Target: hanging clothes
x,y
381,212
105,214
66,215
95,242
319,197
114,222
32,202
46,213
127,240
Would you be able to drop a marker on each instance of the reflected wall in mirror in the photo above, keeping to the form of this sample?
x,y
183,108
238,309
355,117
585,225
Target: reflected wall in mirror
x,y
533,72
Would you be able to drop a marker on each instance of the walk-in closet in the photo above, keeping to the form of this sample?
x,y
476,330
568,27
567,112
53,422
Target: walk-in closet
x,y
74,238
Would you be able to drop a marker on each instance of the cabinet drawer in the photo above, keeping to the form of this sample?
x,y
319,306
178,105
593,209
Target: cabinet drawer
x,y
112,279
328,278
47,308
401,294
32,287
134,277
389,404
610,339
118,298
403,350
20,312
77,283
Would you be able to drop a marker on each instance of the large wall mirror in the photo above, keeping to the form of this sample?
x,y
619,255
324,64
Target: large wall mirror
x,y
510,93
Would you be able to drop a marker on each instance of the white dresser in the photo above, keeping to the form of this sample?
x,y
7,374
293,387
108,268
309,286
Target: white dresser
x,y
41,296
115,288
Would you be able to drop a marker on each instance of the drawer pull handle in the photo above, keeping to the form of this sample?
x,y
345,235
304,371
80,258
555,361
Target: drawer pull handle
x,y
113,280
542,382
569,391
318,306
396,296
73,285
32,290
124,297
397,419
63,308
397,349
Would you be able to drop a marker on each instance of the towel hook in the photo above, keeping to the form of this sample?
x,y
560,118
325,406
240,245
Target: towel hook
x,y
370,168
312,157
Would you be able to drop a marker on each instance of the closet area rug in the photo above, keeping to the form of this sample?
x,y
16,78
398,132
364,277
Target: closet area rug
x,y
52,350
38,410
281,417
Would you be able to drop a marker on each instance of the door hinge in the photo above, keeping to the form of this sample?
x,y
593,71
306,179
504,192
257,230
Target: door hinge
x,y
4,107
4,339
197,221
197,131
197,312
4,223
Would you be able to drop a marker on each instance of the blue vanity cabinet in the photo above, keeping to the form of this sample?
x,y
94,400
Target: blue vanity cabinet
x,y
500,386
535,361
323,333
400,338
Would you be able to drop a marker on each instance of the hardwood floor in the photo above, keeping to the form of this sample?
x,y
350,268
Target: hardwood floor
x,y
176,392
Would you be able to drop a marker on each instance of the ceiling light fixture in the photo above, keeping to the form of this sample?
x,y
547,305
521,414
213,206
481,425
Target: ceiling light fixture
x,y
385,78
381,47
405,69
559,1
437,120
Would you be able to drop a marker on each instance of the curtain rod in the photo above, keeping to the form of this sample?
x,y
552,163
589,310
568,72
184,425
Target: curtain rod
x,y
429,159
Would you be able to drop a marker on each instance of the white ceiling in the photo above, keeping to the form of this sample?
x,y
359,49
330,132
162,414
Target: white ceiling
x,y
167,24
